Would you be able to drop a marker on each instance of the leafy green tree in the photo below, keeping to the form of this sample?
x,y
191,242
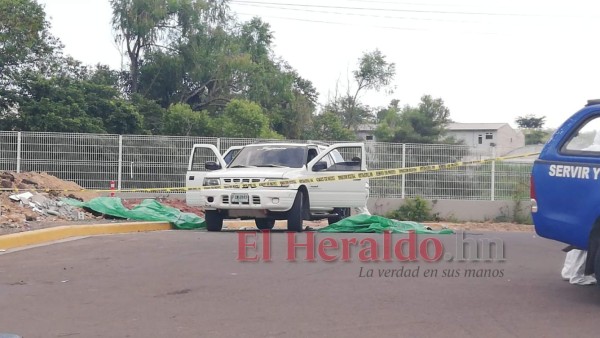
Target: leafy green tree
x,y
25,45
532,128
352,114
213,67
72,100
146,25
24,33
373,73
180,119
422,124
530,121
536,136
328,126
242,118
123,118
151,112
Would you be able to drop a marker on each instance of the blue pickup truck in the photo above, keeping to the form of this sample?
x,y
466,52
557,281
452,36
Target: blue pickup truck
x,y
565,185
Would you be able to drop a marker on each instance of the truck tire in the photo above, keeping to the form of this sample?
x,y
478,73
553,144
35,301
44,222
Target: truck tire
x,y
294,217
214,220
341,214
264,223
597,266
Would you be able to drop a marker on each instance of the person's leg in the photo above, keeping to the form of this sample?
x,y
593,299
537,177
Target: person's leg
x,y
361,210
574,268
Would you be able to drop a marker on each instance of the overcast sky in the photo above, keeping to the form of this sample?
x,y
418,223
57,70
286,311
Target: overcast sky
x,y
490,61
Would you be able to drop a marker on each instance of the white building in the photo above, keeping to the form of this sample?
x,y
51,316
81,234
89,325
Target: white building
x,y
483,136
366,132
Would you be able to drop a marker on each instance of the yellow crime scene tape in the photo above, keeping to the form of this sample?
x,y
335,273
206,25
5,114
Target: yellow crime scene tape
x,y
378,173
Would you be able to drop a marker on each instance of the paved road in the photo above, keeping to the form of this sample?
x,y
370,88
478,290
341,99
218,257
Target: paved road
x,y
190,284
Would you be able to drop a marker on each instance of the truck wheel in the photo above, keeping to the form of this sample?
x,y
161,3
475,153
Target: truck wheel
x,y
341,214
214,220
597,266
265,223
294,218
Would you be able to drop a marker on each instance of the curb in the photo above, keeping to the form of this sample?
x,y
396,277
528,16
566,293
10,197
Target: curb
x,y
41,236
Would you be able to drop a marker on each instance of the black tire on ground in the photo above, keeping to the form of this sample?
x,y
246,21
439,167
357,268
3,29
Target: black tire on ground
x,y
265,223
342,213
597,266
294,217
214,220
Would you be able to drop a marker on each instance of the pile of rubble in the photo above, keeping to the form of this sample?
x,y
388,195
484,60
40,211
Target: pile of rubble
x,y
28,197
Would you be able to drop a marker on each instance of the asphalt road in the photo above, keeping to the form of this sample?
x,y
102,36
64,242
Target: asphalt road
x,y
191,284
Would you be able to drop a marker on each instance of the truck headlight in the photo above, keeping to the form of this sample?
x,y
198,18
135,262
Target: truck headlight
x,y
211,181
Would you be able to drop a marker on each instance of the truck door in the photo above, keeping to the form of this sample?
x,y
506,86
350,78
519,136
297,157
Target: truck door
x,y
231,153
200,155
567,183
339,159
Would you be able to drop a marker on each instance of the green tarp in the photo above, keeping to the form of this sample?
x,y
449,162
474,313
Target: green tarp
x,y
147,210
151,210
363,223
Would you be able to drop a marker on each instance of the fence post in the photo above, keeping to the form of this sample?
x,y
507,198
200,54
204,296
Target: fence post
x,y
219,144
18,152
403,166
493,180
120,171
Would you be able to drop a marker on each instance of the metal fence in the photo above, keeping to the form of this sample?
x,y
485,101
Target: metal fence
x,y
142,161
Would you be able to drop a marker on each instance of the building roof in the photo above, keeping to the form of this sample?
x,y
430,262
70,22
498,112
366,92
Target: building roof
x,y
366,127
474,126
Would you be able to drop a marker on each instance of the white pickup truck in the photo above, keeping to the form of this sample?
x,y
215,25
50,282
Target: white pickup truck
x,y
266,162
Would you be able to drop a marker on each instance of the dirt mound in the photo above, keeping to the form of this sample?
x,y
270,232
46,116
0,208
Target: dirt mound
x,y
43,182
33,200
36,197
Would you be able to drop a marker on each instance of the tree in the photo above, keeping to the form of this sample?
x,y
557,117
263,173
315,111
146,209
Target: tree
x,y
532,126
24,33
144,25
422,124
373,73
25,44
212,67
351,113
72,100
243,118
328,126
535,136
151,111
530,121
180,119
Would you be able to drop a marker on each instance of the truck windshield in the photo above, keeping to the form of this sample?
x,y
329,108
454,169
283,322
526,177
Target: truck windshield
x,y
270,156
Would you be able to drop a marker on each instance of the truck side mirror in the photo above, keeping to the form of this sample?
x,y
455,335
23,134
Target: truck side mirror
x,y
321,165
211,165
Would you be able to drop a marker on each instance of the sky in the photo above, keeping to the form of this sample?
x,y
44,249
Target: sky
x,y
490,61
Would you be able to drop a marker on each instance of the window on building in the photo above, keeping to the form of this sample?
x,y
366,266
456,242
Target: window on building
x,y
489,136
369,137
480,139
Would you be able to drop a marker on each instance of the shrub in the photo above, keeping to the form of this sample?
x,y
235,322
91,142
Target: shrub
x,y
414,209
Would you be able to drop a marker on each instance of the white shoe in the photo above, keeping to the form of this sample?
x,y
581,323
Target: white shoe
x,y
583,280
